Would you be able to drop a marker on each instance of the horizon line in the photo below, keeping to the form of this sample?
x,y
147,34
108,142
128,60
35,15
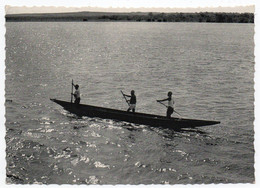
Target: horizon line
x,y
48,9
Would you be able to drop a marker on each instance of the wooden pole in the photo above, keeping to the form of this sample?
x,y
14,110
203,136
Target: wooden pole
x,y
71,91
125,98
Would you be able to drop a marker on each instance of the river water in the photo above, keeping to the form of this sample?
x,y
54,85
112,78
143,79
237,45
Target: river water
x,y
209,67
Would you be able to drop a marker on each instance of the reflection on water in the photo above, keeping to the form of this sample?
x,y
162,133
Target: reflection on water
x,y
209,68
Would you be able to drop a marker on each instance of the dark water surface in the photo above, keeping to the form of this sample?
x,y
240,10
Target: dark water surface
x,y
209,68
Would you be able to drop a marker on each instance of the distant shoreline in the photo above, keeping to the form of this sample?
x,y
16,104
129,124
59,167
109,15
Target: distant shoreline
x,y
133,17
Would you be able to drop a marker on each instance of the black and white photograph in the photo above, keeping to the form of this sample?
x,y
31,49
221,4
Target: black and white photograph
x,y
129,92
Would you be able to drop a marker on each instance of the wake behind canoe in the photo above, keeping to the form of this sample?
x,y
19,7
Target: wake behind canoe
x,y
137,118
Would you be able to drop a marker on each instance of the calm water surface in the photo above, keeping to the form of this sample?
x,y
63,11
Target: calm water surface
x,y
209,68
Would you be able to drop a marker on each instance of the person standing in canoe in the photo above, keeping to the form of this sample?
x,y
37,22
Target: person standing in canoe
x,y
76,94
132,101
170,107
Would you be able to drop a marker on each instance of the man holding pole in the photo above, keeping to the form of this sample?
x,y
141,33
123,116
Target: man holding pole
x,y
170,108
76,94
131,102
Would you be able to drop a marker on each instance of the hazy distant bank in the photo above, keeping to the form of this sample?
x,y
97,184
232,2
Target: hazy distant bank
x,y
135,17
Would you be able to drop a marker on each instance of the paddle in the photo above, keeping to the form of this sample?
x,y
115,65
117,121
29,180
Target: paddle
x,y
71,91
167,107
125,98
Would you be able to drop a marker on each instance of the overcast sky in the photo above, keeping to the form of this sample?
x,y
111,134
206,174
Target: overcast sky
x,y
18,10
50,6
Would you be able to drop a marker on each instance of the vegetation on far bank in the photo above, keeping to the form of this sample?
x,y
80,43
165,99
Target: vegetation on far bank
x,y
137,17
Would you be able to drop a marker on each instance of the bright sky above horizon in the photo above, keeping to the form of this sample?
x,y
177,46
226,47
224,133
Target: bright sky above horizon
x,y
47,6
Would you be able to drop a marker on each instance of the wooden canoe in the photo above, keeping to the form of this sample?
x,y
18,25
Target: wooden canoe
x,y
136,117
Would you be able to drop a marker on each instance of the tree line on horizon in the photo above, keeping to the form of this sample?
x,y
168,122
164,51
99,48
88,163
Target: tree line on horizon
x,y
185,17
140,17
